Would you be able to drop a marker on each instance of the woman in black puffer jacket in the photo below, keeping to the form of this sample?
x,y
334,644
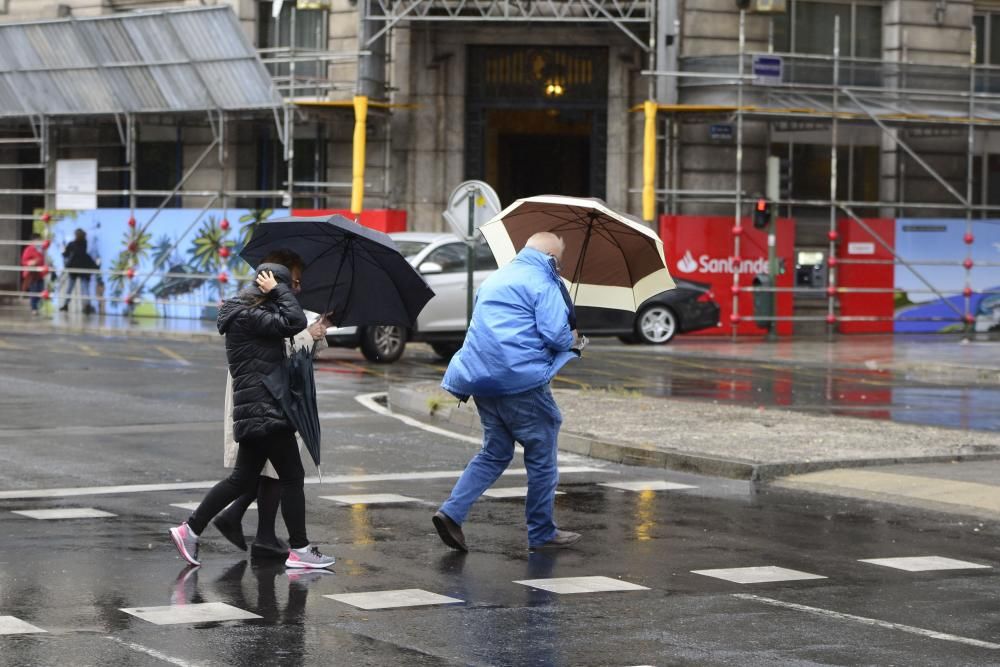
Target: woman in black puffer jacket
x,y
256,323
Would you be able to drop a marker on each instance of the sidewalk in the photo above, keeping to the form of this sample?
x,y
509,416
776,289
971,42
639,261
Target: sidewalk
x,y
723,440
936,358
21,321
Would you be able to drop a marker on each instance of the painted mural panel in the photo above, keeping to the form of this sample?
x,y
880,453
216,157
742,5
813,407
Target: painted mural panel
x,y
930,284
179,263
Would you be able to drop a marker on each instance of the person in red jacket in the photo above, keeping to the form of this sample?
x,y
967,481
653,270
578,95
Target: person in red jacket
x,y
33,281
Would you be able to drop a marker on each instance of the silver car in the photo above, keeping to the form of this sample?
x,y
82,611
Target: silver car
x,y
441,259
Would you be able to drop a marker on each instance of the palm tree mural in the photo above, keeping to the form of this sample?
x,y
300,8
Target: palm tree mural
x,y
118,277
251,219
205,248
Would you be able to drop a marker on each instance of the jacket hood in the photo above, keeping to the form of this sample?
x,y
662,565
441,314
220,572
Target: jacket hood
x,y
230,308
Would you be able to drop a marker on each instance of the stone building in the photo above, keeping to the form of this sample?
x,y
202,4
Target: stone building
x,y
546,96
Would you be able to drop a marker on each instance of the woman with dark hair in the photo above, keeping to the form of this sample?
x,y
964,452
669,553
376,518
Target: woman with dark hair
x,y
256,323
268,493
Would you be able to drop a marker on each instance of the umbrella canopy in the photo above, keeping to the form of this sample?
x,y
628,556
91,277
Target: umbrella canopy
x,y
611,260
293,386
351,270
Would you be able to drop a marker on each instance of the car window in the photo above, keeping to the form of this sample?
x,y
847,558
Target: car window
x,y
451,257
410,249
484,258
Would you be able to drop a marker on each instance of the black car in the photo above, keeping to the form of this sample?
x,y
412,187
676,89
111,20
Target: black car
x,y
689,307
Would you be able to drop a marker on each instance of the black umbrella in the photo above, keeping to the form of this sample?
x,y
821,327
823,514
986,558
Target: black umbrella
x,y
293,386
351,270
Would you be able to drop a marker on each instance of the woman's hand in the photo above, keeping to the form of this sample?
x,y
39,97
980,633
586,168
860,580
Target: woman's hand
x,y
266,281
318,329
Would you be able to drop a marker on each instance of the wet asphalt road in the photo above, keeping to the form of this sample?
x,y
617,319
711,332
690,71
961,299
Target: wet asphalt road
x,y
89,412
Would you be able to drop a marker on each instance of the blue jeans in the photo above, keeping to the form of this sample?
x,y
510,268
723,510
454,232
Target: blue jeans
x,y
531,418
35,287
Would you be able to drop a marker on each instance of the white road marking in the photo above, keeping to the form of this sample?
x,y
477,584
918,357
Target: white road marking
x,y
69,513
757,575
342,415
511,492
925,563
651,485
573,585
368,400
153,653
192,506
24,494
205,612
410,597
829,613
11,625
372,499
166,351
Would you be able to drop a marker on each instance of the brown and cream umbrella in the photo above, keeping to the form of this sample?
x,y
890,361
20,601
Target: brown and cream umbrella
x,y
611,260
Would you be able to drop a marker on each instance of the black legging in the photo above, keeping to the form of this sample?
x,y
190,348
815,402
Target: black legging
x,y
283,452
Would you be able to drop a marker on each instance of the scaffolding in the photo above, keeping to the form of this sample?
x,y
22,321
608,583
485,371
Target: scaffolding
x,y
117,74
817,92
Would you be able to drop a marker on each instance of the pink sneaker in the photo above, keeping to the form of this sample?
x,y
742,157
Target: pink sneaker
x,y
308,558
186,542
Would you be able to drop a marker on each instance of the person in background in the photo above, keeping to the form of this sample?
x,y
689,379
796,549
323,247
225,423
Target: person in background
x,y
33,281
519,338
78,263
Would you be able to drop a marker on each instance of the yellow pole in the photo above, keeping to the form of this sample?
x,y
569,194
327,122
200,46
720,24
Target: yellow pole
x,y
649,163
358,170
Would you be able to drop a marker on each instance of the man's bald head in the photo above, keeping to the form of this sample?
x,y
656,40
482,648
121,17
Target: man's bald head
x,y
548,243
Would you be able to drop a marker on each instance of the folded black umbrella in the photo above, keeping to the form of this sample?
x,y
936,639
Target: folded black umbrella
x,y
293,386
353,271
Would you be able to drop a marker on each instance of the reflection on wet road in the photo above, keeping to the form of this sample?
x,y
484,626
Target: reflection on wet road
x,y
873,394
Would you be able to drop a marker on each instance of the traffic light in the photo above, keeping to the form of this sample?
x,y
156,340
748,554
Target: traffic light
x,y
762,214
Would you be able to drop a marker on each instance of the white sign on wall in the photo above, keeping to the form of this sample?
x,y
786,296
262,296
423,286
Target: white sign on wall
x,y
861,248
76,185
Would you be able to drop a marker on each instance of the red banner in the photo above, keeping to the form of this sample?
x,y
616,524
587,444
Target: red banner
x,y
864,261
700,248
386,220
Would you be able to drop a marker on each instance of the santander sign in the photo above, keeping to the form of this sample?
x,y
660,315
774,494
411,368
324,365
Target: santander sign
x,y
708,264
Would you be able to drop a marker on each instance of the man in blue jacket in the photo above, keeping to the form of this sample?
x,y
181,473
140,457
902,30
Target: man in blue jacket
x,y
518,339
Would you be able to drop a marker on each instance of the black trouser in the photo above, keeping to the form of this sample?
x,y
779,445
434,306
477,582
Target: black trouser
x,y
84,280
283,452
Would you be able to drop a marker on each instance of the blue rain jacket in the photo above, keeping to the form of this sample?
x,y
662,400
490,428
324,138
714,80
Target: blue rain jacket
x,y
519,336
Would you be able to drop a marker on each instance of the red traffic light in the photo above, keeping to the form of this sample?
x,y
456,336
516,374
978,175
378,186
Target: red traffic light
x,y
762,214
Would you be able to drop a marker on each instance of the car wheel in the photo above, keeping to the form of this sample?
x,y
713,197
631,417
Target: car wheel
x,y
445,350
383,344
656,325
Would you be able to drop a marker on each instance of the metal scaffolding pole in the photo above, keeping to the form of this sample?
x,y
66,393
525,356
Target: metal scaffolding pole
x,y
831,273
738,217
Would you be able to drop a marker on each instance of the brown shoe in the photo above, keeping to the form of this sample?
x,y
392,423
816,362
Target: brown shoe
x,y
450,532
562,538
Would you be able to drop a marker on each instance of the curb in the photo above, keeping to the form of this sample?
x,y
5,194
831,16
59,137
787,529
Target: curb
x,y
427,408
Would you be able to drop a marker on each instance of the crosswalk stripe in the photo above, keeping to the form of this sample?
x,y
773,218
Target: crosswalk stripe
x,y
829,613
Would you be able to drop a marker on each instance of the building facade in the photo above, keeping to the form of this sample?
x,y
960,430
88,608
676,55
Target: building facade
x,y
875,108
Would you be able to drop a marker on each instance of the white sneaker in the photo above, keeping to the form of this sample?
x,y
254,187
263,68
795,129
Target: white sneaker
x,y
308,557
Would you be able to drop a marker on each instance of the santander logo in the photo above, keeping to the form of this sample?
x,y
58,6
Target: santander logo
x,y
706,264
687,264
